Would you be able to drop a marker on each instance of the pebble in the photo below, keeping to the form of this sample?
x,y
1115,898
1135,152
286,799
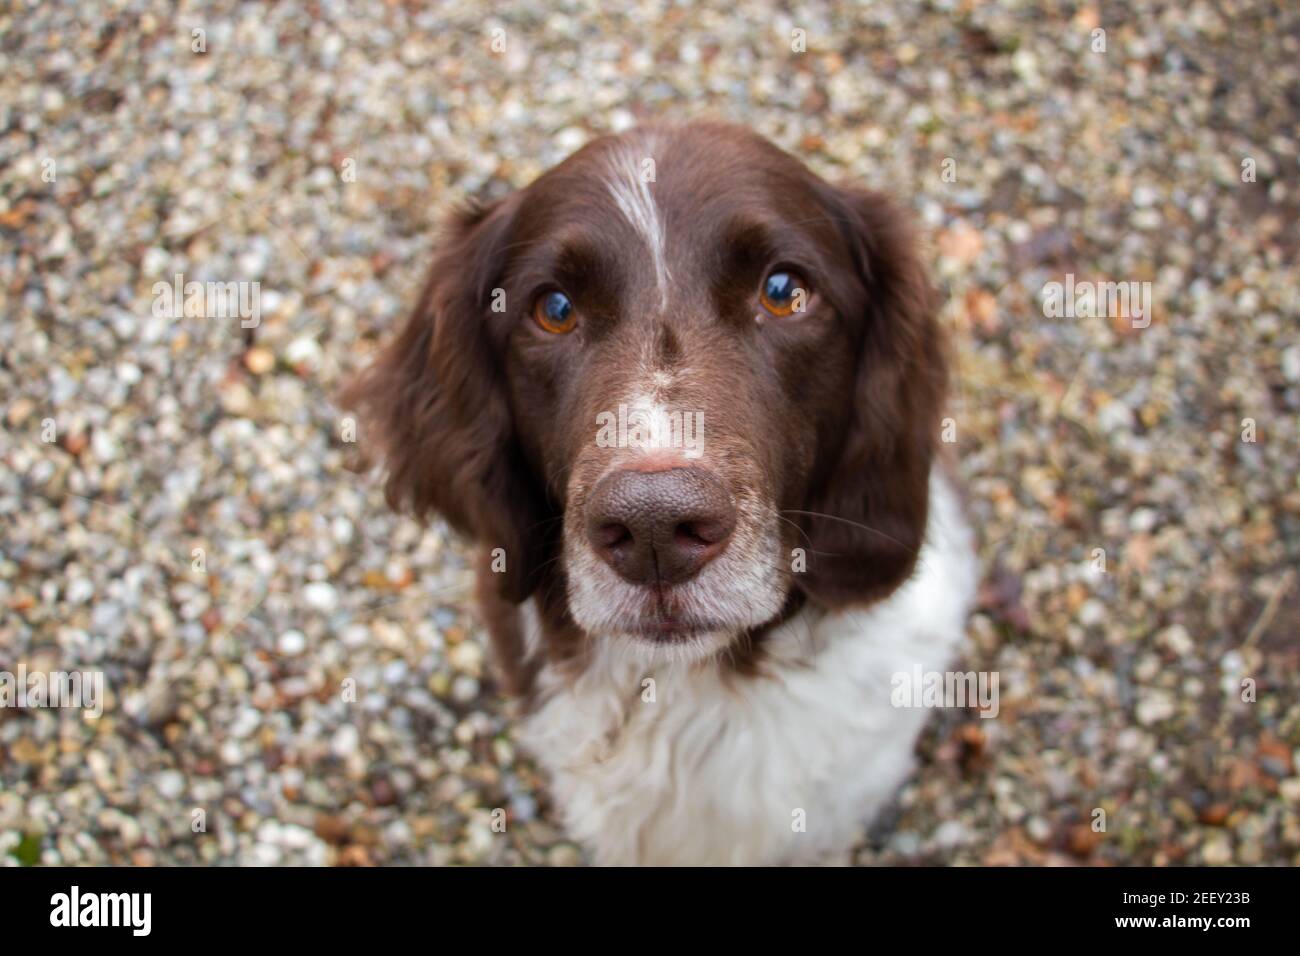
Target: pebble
x,y
951,834
292,643
346,741
1217,851
1144,196
1155,706
320,596
466,657
259,361
171,784
564,854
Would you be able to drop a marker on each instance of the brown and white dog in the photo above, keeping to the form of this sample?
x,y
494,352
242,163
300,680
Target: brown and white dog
x,y
686,396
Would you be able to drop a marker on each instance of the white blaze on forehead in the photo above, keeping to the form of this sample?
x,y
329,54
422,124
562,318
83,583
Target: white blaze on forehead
x,y
630,189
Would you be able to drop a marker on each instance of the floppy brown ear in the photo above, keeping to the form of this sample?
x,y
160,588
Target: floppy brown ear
x,y
433,406
875,497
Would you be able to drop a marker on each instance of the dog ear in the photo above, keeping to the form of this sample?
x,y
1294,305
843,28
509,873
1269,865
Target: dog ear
x,y
866,519
433,406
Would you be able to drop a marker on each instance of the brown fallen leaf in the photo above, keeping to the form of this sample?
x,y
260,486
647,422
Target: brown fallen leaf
x,y
971,740
1215,814
76,443
1082,840
332,829
982,308
1242,775
1271,751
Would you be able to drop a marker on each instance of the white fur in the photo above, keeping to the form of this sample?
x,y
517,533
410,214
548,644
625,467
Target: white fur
x,y
715,770
631,193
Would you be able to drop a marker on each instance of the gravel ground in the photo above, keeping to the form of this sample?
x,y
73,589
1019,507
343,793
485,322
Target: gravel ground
x,y
311,678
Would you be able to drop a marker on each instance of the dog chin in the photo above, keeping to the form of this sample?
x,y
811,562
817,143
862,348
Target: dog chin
x,y
649,641
684,647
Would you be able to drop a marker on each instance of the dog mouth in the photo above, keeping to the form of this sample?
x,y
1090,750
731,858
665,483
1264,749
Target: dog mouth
x,y
662,621
670,630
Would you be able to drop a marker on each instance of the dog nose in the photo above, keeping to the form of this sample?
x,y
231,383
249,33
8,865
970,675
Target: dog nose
x,y
659,527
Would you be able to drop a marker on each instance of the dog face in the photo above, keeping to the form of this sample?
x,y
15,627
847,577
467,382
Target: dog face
x,y
680,381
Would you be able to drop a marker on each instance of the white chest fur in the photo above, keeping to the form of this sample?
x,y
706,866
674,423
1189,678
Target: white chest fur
x,y
710,770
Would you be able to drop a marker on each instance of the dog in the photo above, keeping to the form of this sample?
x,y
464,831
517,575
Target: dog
x,y
686,397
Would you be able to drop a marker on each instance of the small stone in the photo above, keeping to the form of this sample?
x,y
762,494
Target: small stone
x,y
259,361
304,351
171,784
951,834
76,442
267,855
464,689
1177,640
466,657
1143,520
321,596
24,751
1291,363
346,741
19,411
905,843
1217,851
292,643
1038,829
571,138
1155,706
1092,613
1144,196
564,854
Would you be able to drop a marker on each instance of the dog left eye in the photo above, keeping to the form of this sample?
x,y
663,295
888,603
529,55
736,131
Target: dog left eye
x,y
555,313
784,293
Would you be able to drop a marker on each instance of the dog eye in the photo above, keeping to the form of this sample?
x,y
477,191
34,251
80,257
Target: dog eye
x,y
555,313
784,293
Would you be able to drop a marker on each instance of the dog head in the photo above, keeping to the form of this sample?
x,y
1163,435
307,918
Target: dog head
x,y
680,382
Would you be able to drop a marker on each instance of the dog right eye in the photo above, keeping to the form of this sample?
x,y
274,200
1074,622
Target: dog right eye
x,y
555,313
783,293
